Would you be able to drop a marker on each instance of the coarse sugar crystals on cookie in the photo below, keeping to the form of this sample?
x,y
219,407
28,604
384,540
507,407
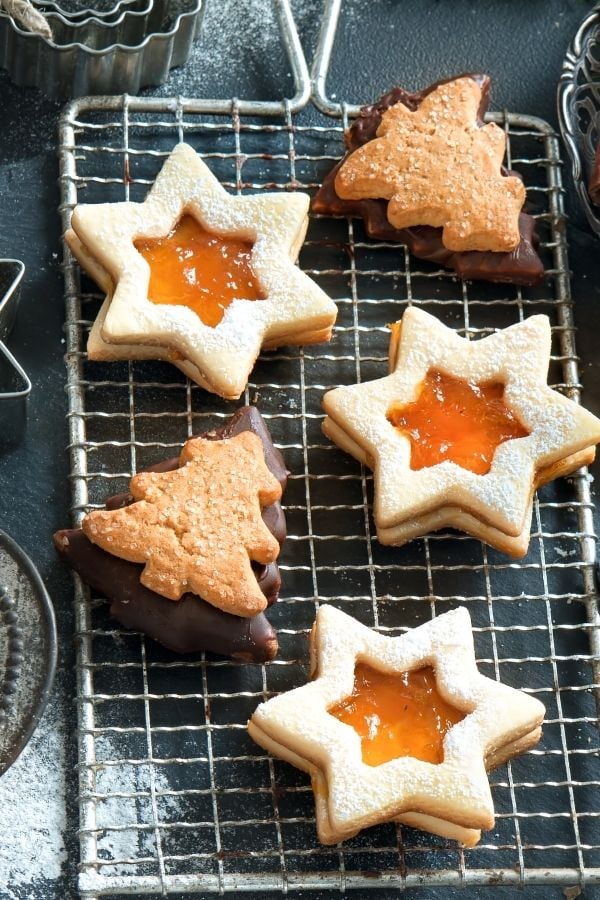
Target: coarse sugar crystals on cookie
x,y
461,430
436,165
401,728
200,277
212,526
198,527
423,169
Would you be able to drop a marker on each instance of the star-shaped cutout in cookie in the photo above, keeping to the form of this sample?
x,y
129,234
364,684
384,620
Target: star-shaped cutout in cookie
x,y
198,527
294,310
518,358
437,165
499,721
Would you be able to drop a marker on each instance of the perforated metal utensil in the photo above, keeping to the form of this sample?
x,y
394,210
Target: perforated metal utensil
x,y
579,108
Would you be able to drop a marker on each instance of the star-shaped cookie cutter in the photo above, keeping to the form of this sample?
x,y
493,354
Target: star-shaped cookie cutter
x,y
11,273
452,797
294,311
518,357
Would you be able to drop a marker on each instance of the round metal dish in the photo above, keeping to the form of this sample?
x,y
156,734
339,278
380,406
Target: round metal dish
x,y
27,649
579,107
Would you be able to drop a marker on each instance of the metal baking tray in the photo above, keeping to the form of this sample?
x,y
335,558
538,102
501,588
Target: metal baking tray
x,y
174,796
579,108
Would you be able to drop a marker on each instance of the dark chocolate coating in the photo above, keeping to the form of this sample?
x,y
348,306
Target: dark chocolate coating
x,y
188,624
594,183
520,266
185,625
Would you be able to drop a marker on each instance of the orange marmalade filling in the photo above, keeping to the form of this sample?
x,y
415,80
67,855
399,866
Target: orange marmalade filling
x,y
397,715
203,271
457,420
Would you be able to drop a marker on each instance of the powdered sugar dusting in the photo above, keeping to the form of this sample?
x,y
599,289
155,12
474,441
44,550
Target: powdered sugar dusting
x,y
297,726
517,356
294,307
127,822
245,31
32,812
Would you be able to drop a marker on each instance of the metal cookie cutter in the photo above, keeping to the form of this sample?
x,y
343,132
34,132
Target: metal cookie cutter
x,y
14,381
130,28
76,11
73,69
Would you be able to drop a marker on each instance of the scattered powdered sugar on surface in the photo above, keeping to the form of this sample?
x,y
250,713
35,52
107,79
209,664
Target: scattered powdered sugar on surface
x,y
32,812
239,51
122,839
560,551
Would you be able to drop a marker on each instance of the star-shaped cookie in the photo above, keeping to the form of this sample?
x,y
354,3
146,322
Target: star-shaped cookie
x,y
198,527
292,308
557,430
451,797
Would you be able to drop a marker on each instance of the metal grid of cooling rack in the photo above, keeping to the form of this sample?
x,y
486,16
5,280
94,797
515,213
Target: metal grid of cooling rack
x,y
174,795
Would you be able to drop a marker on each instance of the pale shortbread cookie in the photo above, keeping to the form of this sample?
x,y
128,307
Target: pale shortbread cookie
x,y
438,166
462,521
517,357
451,798
295,309
101,350
454,517
434,825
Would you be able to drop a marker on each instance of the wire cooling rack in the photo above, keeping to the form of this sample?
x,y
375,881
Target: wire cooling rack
x,y
175,797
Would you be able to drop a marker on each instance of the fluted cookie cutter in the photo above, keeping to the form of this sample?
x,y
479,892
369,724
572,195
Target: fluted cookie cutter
x,y
15,384
130,28
79,11
75,70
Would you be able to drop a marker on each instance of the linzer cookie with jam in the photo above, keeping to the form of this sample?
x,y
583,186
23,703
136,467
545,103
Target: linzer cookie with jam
x,y
461,433
199,277
398,728
189,555
423,169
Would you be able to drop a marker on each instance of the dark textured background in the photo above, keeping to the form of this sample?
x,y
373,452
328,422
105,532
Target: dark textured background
x,y
382,42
